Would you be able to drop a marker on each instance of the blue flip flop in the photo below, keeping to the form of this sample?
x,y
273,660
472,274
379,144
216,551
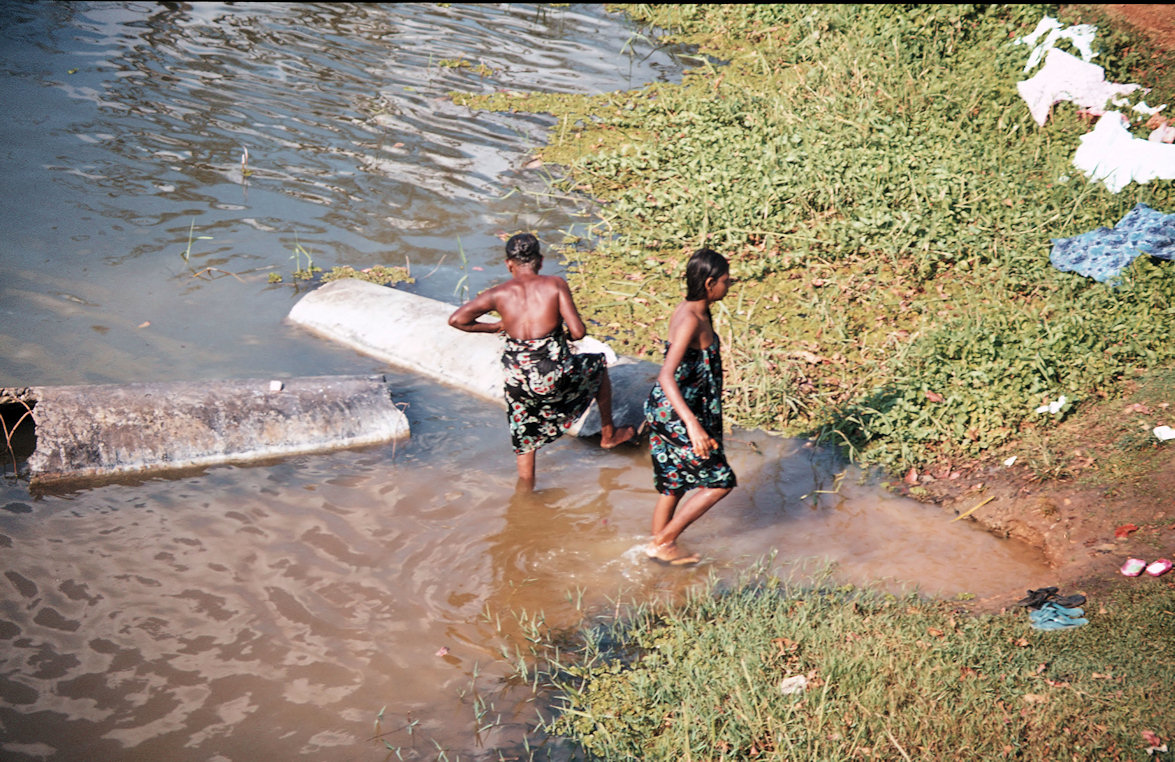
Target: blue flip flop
x,y
1063,623
1056,618
1067,611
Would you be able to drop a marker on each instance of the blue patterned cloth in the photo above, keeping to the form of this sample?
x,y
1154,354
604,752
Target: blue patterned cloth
x,y
1104,253
676,468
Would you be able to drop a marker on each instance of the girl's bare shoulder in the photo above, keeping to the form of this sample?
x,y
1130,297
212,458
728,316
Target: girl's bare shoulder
x,y
684,319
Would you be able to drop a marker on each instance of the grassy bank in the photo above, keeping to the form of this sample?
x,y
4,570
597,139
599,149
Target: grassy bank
x,y
884,678
888,204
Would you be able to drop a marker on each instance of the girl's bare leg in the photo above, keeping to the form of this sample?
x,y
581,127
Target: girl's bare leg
x,y
609,435
525,471
663,511
664,545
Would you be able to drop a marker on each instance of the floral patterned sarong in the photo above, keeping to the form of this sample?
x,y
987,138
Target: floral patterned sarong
x,y
676,468
547,388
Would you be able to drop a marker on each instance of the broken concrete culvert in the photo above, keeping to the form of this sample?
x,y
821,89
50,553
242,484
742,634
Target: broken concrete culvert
x,y
104,430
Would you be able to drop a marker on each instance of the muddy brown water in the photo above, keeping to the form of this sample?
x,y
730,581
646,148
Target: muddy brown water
x,y
317,607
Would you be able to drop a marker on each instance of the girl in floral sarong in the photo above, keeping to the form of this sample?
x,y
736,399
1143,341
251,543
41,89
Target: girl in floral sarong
x,y
547,387
684,412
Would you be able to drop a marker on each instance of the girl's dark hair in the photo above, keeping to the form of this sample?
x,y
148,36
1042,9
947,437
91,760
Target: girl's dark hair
x,y
703,265
523,248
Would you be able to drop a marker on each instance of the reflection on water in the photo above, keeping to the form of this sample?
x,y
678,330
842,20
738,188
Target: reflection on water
x,y
280,608
273,611
130,217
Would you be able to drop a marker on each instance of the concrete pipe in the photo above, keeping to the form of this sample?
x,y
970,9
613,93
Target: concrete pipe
x,y
87,431
412,332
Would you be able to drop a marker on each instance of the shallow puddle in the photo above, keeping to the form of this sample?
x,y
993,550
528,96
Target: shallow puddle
x,y
279,608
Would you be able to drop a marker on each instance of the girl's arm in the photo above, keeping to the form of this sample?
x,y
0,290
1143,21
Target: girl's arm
x,y
681,335
570,315
466,316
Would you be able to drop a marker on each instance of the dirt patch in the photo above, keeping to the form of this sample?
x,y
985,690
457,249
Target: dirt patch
x,y
1085,532
1089,493
1157,22
1098,489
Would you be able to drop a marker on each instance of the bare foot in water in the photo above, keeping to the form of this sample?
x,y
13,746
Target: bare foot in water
x,y
619,436
670,554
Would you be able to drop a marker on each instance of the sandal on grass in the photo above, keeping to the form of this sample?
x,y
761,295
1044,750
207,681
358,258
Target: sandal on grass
x,y
1133,567
1054,608
1068,601
1037,597
1062,623
1159,567
1051,619
1051,616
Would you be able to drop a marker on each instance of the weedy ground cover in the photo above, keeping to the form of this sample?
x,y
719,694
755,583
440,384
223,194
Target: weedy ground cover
x,y
888,204
882,677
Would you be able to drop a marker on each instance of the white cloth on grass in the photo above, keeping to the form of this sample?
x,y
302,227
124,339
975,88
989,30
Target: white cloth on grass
x,y
1065,77
1115,157
1081,35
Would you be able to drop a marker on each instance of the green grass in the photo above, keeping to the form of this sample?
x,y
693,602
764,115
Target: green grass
x,y
887,203
889,678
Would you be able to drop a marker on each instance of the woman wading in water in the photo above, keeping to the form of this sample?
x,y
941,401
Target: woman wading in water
x,y
547,387
684,412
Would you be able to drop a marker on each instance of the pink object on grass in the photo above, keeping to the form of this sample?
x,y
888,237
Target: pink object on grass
x,y
1133,567
1162,566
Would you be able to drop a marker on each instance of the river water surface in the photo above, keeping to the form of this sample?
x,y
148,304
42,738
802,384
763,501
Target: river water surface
x,y
327,606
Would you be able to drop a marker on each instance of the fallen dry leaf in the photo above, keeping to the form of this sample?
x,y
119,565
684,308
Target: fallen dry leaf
x,y
808,357
145,323
1125,530
784,645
